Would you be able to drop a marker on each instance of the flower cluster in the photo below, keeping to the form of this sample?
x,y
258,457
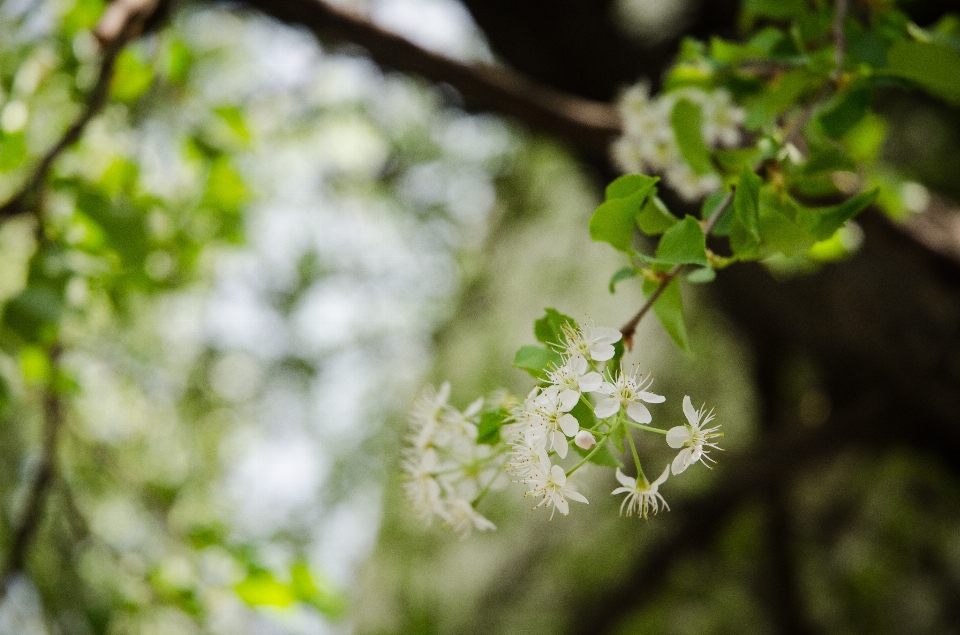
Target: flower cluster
x,y
448,470
445,467
648,143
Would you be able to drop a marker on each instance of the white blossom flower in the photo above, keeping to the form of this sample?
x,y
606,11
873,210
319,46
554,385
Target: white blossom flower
x,y
463,518
597,343
641,495
585,440
693,437
573,379
690,185
627,392
420,487
553,409
722,119
550,483
425,413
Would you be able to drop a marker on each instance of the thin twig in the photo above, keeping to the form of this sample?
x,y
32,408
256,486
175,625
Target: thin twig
x,y
36,498
628,329
121,22
839,41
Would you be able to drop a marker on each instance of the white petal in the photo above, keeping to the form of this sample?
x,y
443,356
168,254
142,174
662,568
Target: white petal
x,y
562,506
688,410
559,443
661,479
625,480
577,364
568,399
695,453
650,397
590,382
601,352
638,412
606,388
577,496
443,393
622,490
680,462
678,436
557,475
607,407
569,424
606,335
473,408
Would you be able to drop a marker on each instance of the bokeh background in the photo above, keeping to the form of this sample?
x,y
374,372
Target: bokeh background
x,y
265,244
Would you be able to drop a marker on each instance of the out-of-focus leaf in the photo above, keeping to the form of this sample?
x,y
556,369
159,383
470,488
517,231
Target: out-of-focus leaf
x,y
260,588
844,111
745,231
536,360
827,220
132,76
933,66
316,592
687,122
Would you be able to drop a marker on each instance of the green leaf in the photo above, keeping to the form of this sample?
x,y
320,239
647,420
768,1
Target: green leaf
x,y
669,309
934,67
654,218
132,76
711,205
702,275
623,274
745,231
549,328
316,592
844,111
683,244
631,186
536,360
488,431
613,220
260,588
687,122
225,190
827,220
782,226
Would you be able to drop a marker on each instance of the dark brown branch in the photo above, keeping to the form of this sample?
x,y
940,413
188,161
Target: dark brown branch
x,y
590,125
628,329
37,496
121,22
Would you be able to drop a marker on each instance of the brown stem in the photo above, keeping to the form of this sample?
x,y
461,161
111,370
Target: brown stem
x,y
29,523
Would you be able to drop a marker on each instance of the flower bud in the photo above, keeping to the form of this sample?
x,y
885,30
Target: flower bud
x,y
585,440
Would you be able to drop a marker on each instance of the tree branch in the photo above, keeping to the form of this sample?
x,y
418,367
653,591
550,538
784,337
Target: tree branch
x,y
590,125
37,496
122,21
